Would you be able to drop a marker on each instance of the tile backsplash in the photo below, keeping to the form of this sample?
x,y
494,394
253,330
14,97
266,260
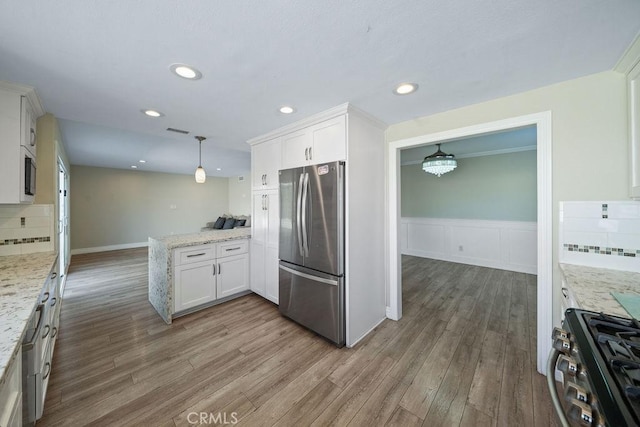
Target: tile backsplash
x,y
26,229
601,234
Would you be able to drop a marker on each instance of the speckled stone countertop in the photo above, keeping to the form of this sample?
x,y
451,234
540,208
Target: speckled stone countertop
x,y
592,287
202,238
21,280
161,262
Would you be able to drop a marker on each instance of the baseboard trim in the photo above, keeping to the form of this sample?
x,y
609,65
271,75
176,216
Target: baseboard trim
x,y
108,248
472,261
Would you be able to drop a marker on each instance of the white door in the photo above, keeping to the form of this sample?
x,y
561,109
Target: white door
x,y
195,284
296,149
233,275
257,267
329,141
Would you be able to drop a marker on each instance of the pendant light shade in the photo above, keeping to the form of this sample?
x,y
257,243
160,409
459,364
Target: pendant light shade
x,y
439,163
201,175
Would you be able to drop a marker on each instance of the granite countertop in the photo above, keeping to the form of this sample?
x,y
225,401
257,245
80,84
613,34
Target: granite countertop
x,y
592,287
202,238
21,280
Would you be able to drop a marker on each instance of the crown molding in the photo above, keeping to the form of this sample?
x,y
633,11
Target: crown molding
x,y
482,154
630,57
339,110
27,91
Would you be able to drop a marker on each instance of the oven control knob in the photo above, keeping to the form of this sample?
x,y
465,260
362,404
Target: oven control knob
x,y
580,412
559,333
574,392
563,345
568,365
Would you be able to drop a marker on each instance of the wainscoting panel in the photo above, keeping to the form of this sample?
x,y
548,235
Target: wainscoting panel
x,y
507,245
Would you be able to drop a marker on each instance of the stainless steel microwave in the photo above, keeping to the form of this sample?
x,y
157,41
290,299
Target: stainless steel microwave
x,y
28,175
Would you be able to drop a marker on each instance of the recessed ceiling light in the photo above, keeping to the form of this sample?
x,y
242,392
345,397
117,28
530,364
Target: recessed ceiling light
x,y
142,161
286,109
218,169
152,113
405,88
185,71
134,167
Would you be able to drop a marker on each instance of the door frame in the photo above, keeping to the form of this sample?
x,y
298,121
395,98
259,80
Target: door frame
x,y
542,121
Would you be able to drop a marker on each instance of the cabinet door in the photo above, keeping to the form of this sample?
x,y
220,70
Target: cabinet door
x,y
233,275
272,201
259,217
265,163
195,284
634,129
329,141
257,267
296,148
271,274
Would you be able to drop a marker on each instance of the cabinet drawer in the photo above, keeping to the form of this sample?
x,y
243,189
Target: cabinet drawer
x,y
194,254
233,247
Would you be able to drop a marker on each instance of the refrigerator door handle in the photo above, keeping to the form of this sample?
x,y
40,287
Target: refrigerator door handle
x,y
309,276
299,214
305,195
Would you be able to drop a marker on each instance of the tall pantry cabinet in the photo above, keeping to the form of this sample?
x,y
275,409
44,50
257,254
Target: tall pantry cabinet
x,y
341,133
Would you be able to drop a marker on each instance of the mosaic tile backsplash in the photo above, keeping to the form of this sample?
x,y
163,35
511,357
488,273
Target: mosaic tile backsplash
x,y
601,234
26,229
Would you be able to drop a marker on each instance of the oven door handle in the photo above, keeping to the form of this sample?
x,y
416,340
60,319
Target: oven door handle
x,y
553,391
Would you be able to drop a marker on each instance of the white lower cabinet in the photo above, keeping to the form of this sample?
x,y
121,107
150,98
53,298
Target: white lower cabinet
x,y
11,395
271,274
233,275
264,244
195,284
206,273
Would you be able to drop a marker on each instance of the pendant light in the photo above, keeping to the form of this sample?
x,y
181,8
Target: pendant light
x,y
439,163
201,175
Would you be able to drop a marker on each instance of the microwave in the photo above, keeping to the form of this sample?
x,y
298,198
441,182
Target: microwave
x,y
27,175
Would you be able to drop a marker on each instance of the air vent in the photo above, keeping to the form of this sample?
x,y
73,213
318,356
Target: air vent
x,y
241,178
184,132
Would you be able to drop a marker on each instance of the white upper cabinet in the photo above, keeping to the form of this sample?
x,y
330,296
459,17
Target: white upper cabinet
x,y
265,164
19,109
319,143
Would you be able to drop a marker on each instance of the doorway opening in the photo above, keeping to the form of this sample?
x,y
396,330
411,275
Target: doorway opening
x,y
63,221
542,123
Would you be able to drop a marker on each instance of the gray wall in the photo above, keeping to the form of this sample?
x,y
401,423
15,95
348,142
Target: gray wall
x,y
500,187
116,207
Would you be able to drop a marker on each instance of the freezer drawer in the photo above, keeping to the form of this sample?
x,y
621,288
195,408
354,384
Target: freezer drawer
x,y
314,300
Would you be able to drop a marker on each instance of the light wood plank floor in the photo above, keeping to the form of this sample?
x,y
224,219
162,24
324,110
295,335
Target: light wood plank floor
x,y
463,354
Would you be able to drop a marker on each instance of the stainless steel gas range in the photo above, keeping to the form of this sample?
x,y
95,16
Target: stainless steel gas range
x,y
597,357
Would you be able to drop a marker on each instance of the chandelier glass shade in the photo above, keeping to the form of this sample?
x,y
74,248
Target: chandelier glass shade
x,y
439,163
201,175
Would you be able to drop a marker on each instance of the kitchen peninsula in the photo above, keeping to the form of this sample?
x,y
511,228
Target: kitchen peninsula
x,y
189,272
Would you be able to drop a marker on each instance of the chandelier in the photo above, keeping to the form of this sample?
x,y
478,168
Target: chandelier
x,y
439,163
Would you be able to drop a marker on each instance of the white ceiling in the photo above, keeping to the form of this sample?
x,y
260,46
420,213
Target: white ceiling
x,y
96,64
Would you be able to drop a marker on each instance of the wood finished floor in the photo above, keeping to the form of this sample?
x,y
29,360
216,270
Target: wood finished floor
x,y
463,354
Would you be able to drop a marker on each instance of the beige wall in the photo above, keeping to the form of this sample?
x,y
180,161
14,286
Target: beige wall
x,y
589,147
240,195
119,207
49,147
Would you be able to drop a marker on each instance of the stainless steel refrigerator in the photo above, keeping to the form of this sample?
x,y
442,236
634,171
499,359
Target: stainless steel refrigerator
x,y
311,270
